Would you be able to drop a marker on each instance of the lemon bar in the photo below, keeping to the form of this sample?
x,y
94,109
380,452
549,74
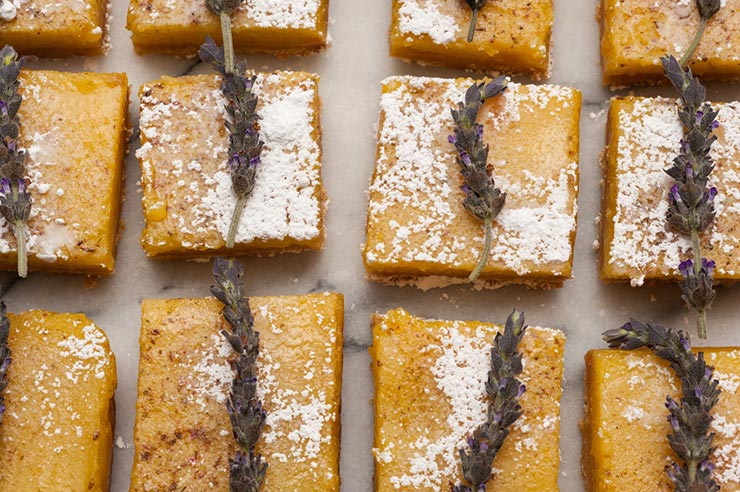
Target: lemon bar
x,y
625,422
59,28
417,229
636,33
179,27
188,200
183,435
73,127
57,430
511,36
644,136
430,379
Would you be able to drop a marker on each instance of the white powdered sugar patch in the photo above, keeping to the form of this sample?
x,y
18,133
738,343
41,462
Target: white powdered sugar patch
x,y
535,226
417,20
297,418
649,140
90,352
282,203
461,372
726,456
8,10
295,14
276,14
212,379
287,407
49,238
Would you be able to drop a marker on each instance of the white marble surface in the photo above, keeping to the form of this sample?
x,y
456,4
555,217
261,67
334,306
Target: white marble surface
x,y
351,70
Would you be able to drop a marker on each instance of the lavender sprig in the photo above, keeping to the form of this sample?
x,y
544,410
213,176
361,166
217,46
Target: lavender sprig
x,y
475,6
4,356
242,120
503,390
247,468
15,200
691,200
482,199
690,418
707,9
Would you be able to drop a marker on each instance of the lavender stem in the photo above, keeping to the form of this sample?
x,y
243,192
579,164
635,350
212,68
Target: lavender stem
x,y
20,237
483,261
228,42
235,218
694,43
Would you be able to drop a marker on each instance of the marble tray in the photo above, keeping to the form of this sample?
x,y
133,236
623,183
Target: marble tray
x,y
351,71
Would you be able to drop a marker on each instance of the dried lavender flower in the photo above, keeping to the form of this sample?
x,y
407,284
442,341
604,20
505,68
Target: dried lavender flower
x,y
504,391
482,199
4,356
247,468
691,418
15,200
691,200
475,6
242,121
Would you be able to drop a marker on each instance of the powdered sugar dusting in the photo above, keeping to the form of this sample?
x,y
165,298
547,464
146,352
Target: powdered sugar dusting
x,y
460,372
295,14
276,14
414,200
191,186
427,19
90,351
643,245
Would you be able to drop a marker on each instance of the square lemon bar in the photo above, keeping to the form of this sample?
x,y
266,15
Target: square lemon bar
x,y
511,36
73,127
188,200
644,136
430,379
625,422
417,229
58,28
179,27
57,430
183,435
636,33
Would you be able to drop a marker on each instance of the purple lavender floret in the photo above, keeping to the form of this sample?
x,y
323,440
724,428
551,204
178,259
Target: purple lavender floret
x,y
242,122
245,409
690,417
482,198
503,390
15,201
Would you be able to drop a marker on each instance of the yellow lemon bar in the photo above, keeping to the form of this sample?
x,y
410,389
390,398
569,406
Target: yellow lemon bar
x,y
511,36
58,28
417,229
188,201
73,127
644,136
183,435
57,430
430,379
625,422
636,33
179,27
